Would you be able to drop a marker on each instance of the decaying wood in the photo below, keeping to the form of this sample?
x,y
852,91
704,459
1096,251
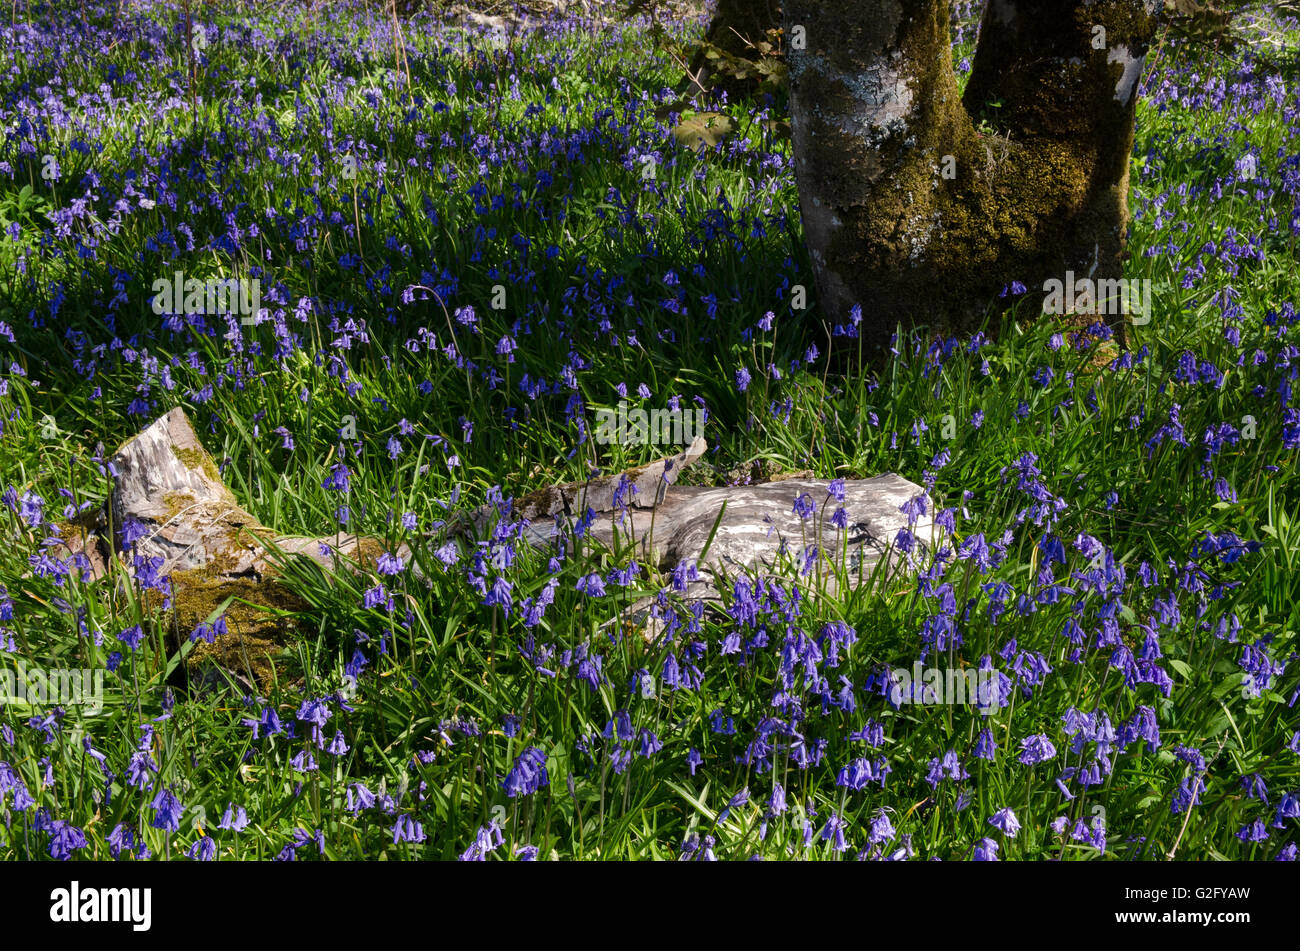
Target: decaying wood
x,y
185,523
167,482
729,531
644,487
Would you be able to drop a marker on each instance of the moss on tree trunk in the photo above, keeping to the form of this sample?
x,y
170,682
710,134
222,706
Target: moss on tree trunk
x,y
914,212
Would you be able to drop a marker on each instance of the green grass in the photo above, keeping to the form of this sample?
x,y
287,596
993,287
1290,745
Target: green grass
x,y
424,724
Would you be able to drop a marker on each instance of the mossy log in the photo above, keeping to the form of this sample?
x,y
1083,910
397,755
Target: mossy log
x,y
179,515
921,204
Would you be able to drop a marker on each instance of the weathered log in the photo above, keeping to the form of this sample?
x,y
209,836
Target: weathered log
x,y
644,487
730,531
167,484
169,509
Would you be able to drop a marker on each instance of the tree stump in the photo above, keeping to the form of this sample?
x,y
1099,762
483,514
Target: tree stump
x,y
171,512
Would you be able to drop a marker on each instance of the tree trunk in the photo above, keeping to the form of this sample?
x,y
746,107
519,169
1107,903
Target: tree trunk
x,y
914,212
736,26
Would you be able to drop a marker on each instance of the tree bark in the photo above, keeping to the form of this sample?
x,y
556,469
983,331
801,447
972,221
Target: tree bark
x,y
916,213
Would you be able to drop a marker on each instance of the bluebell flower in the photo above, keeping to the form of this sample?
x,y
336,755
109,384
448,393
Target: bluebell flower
x,y
739,799
856,774
235,818
649,743
132,636
528,773
1253,784
591,585
359,799
65,839
204,849
914,508
1188,794
121,839
1287,808
303,762
880,830
833,830
339,478
407,829
1254,831
1036,749
1005,820
167,811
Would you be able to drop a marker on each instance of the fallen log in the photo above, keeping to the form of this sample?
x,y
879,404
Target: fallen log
x,y
731,531
170,514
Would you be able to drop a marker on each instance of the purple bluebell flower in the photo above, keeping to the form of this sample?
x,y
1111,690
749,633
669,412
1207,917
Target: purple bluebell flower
x,y
528,774
167,811
1036,749
407,829
1005,820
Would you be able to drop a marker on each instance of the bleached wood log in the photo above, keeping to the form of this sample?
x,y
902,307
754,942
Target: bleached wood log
x,y
169,486
177,512
758,530
180,513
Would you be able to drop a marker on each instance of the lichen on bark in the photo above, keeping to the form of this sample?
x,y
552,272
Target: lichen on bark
x,y
1037,152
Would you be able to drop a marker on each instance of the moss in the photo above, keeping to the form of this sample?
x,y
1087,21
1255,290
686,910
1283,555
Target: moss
x,y
367,553
197,459
176,502
542,502
258,632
